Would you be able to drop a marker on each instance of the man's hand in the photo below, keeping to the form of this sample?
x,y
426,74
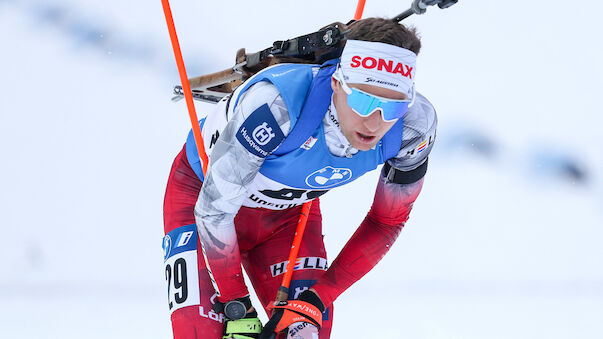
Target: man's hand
x,y
241,319
307,308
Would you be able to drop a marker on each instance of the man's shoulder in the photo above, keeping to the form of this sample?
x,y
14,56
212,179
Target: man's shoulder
x,y
420,117
257,95
251,102
420,124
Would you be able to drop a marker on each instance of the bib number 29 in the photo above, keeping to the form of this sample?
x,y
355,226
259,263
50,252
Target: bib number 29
x,y
181,271
176,277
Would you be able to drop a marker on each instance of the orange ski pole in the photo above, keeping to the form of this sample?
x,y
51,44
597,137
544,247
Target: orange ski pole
x,y
283,291
188,95
359,9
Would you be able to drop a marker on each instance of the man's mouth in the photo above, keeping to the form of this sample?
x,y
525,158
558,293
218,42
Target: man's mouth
x,y
365,138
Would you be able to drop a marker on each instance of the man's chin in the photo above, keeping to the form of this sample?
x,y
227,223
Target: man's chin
x,y
363,146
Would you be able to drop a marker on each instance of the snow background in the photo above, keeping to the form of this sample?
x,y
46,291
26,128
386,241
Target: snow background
x,y
504,240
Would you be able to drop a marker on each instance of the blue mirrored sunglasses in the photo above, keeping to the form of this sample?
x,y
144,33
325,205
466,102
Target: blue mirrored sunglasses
x,y
364,104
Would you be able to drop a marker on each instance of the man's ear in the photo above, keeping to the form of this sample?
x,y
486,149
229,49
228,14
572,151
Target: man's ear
x,y
334,84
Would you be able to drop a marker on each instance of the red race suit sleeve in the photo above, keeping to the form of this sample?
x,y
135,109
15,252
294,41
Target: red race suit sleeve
x,y
371,241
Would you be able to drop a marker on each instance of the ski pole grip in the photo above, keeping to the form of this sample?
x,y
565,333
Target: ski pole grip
x,y
282,294
420,6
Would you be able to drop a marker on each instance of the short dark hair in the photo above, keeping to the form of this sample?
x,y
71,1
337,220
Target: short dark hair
x,y
386,31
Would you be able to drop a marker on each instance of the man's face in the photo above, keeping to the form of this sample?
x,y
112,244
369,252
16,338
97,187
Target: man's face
x,y
363,133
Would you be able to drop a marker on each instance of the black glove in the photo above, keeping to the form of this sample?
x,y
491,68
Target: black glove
x,y
308,307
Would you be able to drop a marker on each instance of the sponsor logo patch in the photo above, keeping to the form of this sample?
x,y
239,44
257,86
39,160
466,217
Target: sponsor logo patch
x,y
304,263
328,177
167,246
218,317
186,240
296,287
309,143
293,330
260,134
422,146
382,65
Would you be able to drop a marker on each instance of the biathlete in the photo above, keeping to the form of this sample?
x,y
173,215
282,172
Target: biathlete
x,y
288,135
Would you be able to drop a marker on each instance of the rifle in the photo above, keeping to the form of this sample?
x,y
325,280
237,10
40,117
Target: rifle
x,y
314,48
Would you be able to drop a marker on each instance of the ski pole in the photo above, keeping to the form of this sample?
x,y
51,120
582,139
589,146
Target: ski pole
x,y
359,9
283,291
188,95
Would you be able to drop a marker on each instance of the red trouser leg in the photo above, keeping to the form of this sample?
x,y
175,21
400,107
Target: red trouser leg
x,y
264,237
265,262
196,320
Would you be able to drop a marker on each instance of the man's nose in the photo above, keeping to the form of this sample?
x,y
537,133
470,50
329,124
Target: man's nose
x,y
373,121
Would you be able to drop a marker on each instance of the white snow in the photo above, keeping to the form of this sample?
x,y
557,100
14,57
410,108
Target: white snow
x,y
504,240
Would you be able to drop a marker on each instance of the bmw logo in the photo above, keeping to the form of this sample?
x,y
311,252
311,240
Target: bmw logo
x,y
328,177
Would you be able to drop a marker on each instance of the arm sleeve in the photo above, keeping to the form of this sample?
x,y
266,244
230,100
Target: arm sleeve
x,y
235,160
372,240
399,186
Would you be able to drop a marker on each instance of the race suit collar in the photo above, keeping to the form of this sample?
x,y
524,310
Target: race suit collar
x,y
337,143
